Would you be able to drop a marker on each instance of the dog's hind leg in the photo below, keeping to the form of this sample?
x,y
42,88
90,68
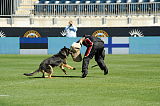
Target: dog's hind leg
x,y
51,71
43,76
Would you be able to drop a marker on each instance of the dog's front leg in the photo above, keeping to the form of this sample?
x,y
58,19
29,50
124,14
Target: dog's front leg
x,y
69,67
61,66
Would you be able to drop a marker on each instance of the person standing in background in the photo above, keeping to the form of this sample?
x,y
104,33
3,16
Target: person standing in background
x,y
70,30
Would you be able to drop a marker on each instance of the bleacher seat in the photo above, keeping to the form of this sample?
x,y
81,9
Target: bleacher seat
x,y
63,1
146,1
87,2
82,1
151,1
73,1
96,1
118,1
107,1
46,2
77,2
154,0
132,1
67,2
113,1
93,1
42,1
123,1
51,1
57,2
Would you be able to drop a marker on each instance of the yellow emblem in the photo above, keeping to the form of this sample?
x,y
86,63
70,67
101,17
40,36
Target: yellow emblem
x,y
32,34
100,33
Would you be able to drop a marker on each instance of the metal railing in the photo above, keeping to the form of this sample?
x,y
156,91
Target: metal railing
x,y
112,9
30,8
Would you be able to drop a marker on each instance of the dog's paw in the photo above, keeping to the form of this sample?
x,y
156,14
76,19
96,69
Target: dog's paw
x,y
49,77
74,68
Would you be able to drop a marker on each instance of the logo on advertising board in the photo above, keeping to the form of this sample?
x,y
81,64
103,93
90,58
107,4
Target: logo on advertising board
x,y
100,33
116,45
136,33
32,34
2,34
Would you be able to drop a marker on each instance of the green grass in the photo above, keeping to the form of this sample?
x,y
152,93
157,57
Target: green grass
x,y
133,80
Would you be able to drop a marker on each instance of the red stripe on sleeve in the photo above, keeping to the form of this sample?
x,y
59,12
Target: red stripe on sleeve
x,y
89,42
88,51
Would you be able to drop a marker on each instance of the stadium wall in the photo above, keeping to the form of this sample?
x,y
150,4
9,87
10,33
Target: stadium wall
x,y
94,31
145,45
82,21
9,45
51,45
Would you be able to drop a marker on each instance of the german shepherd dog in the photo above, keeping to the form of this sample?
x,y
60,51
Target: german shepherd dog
x,y
47,65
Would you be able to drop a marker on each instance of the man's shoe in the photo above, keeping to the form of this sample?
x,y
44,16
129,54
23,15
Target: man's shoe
x,y
105,72
84,75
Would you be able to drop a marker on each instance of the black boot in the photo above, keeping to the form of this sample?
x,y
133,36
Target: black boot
x,y
105,71
84,74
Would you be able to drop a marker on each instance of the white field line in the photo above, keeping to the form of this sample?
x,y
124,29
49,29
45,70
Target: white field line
x,y
4,95
24,82
13,84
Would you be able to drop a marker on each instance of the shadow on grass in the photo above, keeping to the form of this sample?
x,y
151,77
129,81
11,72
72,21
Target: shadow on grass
x,y
60,77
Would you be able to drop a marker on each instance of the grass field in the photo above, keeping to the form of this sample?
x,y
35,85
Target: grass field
x,y
133,80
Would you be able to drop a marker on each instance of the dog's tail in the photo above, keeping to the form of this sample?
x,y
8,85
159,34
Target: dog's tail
x,y
94,66
30,74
